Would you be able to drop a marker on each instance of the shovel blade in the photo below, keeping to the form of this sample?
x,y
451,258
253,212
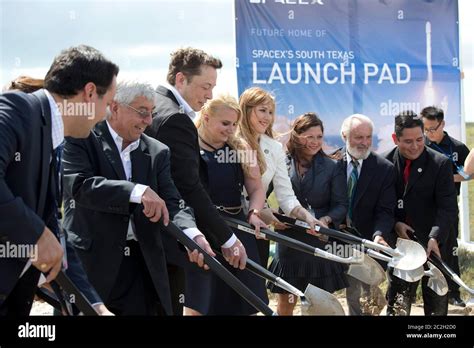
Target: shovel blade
x,y
409,255
320,302
437,281
410,275
368,271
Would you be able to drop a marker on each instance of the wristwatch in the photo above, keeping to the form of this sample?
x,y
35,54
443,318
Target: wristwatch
x,y
251,212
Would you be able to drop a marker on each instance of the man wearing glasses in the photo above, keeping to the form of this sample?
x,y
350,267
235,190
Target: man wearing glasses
x,y
117,185
440,141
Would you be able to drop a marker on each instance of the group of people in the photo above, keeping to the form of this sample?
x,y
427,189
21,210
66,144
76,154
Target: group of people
x,y
141,155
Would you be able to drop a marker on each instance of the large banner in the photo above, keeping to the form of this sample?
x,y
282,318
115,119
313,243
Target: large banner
x,y
340,57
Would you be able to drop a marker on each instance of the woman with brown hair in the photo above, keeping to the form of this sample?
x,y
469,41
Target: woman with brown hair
x,y
322,189
225,169
256,127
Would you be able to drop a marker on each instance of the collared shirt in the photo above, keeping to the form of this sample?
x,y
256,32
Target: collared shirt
x,y
139,189
350,166
183,103
57,125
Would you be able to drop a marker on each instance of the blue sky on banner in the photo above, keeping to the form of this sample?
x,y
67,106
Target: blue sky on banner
x,y
139,35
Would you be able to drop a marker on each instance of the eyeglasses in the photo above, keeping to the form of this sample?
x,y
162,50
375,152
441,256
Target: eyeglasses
x,y
432,130
142,113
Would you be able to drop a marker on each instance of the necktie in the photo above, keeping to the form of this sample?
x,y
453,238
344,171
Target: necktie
x,y
406,171
351,186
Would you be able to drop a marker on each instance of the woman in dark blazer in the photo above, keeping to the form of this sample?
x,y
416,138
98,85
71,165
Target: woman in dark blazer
x,y
321,188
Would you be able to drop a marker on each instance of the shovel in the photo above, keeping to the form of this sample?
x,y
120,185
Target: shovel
x,y
436,282
368,271
290,242
218,269
445,269
314,301
64,287
408,255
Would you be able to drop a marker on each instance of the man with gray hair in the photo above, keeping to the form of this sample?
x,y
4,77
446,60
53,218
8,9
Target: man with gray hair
x,y
117,186
371,193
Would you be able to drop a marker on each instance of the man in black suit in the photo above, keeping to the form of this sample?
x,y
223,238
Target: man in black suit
x,y
439,140
426,206
117,186
371,193
191,76
78,87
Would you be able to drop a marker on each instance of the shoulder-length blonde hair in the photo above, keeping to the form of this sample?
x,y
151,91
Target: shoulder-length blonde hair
x,y
211,109
250,99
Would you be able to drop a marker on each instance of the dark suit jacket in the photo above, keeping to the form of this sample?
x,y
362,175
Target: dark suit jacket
x,y
25,177
323,188
375,199
97,207
174,128
429,200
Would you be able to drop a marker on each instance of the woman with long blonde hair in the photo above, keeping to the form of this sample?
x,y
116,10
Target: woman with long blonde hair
x,y
256,128
226,168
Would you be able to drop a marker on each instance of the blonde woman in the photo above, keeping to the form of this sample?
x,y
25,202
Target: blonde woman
x,y
256,127
226,168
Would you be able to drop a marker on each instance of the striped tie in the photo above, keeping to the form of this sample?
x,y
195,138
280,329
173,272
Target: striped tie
x,y
351,186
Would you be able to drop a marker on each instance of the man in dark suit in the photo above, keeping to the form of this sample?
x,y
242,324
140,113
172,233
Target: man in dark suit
x,y
117,186
78,87
371,193
426,206
439,140
191,76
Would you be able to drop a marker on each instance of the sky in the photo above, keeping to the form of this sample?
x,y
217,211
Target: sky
x,y
140,35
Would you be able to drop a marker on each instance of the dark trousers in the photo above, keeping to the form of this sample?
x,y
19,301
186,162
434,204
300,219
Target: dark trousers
x,y
20,299
449,252
263,247
134,292
354,292
401,294
177,288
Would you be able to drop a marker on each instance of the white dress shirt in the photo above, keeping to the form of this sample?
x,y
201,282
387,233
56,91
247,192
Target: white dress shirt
x,y
183,103
139,189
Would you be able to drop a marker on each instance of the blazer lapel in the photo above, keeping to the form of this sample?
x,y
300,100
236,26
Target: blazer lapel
x,y
110,149
366,174
46,150
141,160
417,170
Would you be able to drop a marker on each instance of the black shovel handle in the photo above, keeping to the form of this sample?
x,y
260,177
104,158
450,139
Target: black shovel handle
x,y
345,237
435,259
81,302
219,270
258,270
273,236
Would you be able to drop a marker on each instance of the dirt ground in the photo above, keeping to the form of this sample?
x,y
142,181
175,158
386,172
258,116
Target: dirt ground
x,y
40,308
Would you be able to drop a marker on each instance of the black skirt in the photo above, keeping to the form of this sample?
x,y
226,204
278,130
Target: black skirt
x,y
209,295
301,269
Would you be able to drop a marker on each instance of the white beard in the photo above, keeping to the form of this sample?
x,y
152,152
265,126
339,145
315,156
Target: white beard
x,y
357,154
